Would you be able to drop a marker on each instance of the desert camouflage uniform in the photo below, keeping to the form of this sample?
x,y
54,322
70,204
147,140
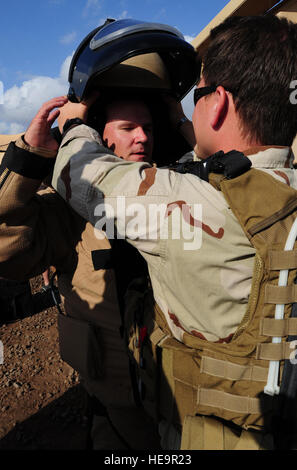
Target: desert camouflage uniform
x,y
37,231
202,289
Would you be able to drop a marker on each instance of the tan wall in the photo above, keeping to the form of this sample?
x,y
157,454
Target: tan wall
x,y
233,8
289,10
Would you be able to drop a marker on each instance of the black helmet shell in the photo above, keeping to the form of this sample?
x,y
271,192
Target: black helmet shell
x,y
117,41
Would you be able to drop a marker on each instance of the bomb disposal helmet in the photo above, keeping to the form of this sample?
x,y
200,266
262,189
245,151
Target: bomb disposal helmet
x,y
130,53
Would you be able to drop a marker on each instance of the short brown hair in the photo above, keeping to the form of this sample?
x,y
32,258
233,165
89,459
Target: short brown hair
x,y
255,58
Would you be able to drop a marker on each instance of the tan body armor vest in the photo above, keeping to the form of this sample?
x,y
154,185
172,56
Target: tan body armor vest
x,y
180,381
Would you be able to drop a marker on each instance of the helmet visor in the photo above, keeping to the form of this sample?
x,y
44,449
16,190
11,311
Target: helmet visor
x,y
122,28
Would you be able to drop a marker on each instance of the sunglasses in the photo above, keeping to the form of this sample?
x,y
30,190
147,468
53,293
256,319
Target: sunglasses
x,y
205,90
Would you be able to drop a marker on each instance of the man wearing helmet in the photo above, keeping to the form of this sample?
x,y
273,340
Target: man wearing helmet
x,y
51,234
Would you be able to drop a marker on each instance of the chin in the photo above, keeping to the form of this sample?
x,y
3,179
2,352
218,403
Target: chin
x,y
202,153
139,158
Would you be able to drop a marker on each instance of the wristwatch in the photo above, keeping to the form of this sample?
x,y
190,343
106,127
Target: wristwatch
x,y
72,122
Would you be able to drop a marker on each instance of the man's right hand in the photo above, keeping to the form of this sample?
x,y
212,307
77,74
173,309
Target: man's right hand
x,y
38,133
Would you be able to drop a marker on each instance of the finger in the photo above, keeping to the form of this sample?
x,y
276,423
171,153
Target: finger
x,y
54,103
53,116
47,107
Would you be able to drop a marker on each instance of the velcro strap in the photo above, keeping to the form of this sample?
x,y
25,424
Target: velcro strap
x,y
275,351
283,327
231,371
157,335
282,260
280,294
226,401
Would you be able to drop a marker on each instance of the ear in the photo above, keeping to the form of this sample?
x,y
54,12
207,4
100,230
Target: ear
x,y
219,109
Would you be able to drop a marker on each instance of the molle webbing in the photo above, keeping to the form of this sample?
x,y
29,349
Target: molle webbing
x,y
280,294
272,327
274,352
227,370
282,260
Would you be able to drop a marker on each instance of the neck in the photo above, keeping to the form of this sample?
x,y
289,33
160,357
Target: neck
x,y
233,141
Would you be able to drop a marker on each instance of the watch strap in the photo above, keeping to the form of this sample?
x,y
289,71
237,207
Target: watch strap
x,y
72,122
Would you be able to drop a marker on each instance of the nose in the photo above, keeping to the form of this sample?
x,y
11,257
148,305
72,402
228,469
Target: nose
x,y
140,135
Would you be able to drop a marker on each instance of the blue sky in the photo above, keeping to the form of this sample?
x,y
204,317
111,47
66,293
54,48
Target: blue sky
x,y
40,36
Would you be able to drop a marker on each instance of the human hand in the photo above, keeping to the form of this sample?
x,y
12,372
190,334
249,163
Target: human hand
x,y
38,133
76,110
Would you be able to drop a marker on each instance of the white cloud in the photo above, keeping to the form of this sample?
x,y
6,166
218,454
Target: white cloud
x,y
123,15
21,103
65,68
189,38
91,7
68,38
11,128
188,104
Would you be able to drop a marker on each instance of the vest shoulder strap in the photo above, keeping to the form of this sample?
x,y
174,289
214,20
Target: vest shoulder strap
x,y
228,165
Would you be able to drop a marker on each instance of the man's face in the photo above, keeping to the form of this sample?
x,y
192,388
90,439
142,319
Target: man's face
x,y
129,131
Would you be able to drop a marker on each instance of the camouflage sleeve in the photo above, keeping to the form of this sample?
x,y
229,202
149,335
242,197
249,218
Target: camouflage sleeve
x,y
104,189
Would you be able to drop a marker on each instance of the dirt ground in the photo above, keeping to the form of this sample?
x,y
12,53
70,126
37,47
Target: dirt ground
x,y
41,398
